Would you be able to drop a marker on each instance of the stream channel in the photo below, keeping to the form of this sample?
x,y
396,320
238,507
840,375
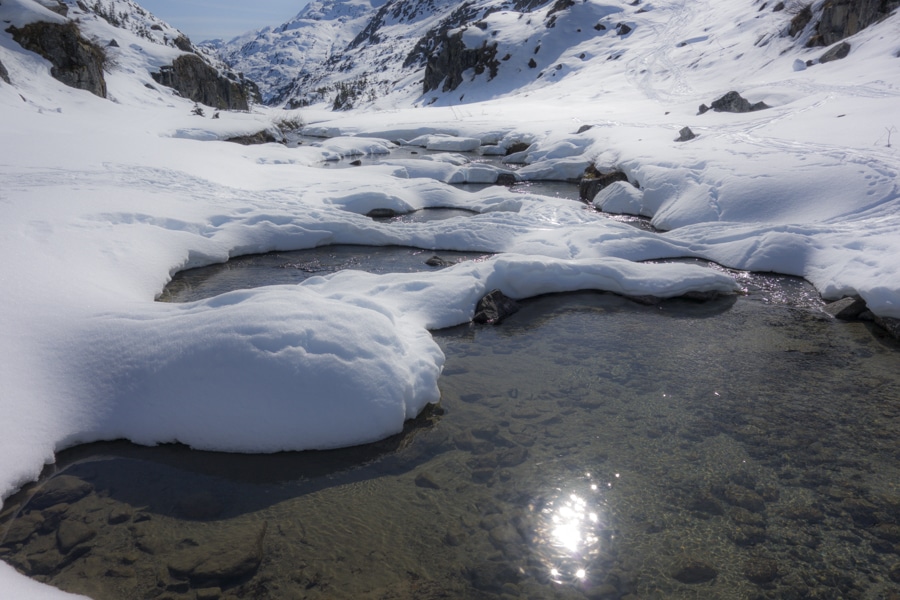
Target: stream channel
x,y
588,447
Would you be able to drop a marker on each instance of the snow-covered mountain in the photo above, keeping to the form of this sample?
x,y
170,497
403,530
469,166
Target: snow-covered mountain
x,y
353,53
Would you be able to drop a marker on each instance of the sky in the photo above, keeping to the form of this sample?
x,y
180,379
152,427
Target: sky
x,y
205,20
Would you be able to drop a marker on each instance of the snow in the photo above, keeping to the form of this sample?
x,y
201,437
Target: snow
x,y
101,201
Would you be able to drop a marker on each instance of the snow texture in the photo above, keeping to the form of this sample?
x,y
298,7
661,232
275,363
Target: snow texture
x,y
101,201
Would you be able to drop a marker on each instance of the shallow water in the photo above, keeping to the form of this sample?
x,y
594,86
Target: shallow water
x,y
587,447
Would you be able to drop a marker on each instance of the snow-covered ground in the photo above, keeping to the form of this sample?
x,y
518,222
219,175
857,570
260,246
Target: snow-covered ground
x,y
101,201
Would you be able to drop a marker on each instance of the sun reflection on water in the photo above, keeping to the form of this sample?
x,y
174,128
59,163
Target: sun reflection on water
x,y
570,526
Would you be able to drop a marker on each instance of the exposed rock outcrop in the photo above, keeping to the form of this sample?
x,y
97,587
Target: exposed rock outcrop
x,y
843,18
593,181
494,307
193,78
836,53
77,62
4,75
447,65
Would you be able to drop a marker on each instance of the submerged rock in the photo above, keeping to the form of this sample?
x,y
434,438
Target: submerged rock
x,y
693,571
59,490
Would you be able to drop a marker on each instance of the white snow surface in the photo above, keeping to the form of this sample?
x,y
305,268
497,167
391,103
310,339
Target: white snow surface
x,y
102,200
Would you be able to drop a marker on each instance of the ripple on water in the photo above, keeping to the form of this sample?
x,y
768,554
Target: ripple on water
x,y
588,447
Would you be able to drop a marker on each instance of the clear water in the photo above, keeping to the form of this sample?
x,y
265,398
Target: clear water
x,y
588,447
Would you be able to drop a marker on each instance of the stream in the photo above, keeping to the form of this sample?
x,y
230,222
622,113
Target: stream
x,y
588,447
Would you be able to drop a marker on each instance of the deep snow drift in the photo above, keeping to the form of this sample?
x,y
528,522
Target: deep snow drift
x,y
102,200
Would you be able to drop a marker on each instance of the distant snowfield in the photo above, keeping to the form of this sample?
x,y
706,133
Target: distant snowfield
x,y
102,201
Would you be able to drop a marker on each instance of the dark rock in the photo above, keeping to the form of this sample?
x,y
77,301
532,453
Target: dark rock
x,y
887,531
183,43
516,147
76,61
584,128
778,7
494,307
685,134
600,27
842,18
23,528
702,109
437,261
118,516
894,573
209,593
889,324
734,102
693,571
801,20
60,489
623,29
452,58
861,511
704,502
72,533
112,44
593,181
836,53
356,163
45,563
260,137
506,179
193,78
4,74
531,63
846,308
761,571
740,496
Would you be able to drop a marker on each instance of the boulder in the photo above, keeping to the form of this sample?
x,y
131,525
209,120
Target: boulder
x,y
494,307
685,134
836,53
846,309
734,102
76,61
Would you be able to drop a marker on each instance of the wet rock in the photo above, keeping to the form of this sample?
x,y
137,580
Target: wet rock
x,y
761,571
504,536
437,261
223,558
593,181
491,576
740,496
889,324
693,571
72,533
704,502
45,563
735,103
495,307
425,480
894,572
118,515
199,506
807,514
861,511
685,134
23,528
747,535
836,53
61,489
209,593
506,179
887,531
742,516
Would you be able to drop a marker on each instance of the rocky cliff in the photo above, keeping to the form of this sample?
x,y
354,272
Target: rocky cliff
x,y
193,78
